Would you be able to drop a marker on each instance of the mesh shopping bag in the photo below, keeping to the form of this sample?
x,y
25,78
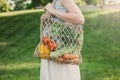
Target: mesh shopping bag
x,y
60,41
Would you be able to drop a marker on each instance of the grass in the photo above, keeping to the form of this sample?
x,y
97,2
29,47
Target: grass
x,y
101,48
19,35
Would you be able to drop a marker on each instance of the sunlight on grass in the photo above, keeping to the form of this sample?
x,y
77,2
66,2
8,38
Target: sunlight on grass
x,y
19,66
109,12
5,14
110,78
102,12
3,44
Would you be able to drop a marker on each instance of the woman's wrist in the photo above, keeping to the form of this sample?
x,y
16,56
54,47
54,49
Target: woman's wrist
x,y
53,12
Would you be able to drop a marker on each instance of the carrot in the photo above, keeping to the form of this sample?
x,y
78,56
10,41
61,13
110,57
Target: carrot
x,y
69,56
74,56
66,56
75,61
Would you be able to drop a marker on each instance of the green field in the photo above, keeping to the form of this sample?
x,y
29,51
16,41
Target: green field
x,y
19,35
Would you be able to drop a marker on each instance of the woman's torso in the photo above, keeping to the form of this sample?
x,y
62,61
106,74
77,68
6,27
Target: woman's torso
x,y
58,6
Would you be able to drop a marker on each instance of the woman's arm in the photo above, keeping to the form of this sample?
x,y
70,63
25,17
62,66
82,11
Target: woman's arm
x,y
74,14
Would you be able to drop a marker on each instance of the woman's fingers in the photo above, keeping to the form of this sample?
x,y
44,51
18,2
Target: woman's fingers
x,y
49,7
46,15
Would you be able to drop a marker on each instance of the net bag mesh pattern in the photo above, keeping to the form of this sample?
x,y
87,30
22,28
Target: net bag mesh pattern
x,y
60,41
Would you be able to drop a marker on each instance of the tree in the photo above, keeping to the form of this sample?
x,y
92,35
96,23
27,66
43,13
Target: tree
x,y
4,6
44,2
94,2
40,2
19,5
80,2
88,1
35,3
22,4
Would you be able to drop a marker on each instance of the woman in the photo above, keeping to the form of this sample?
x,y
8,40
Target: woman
x,y
62,10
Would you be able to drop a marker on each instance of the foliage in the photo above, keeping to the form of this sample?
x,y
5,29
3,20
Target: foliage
x,y
44,2
88,1
22,5
36,3
4,6
80,2
40,2
94,2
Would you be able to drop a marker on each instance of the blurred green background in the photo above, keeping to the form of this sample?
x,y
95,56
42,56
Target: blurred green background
x,y
16,5
19,35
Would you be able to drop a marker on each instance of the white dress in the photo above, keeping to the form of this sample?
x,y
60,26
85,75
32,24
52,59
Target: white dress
x,y
50,70
54,71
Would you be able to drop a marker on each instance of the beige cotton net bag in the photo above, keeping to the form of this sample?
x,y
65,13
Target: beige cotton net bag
x,y
60,41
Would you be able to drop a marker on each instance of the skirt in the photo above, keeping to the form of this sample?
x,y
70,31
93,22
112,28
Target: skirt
x,y
50,70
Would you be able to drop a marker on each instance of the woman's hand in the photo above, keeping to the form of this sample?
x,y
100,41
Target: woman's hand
x,y
45,16
49,7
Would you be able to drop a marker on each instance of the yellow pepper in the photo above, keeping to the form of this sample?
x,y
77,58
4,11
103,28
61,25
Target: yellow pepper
x,y
43,50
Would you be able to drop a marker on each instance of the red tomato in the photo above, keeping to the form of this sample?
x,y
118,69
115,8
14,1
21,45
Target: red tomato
x,y
46,40
52,45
